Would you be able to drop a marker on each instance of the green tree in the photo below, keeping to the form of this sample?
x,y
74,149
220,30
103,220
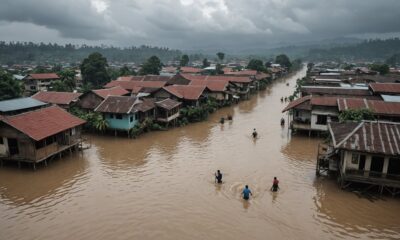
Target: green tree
x,y
206,63
184,60
9,88
381,68
67,76
356,115
256,64
94,70
126,71
393,60
283,60
153,65
219,69
59,86
221,56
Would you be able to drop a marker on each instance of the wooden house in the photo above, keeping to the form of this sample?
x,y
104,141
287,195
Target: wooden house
x,y
366,153
39,134
39,81
119,112
168,111
90,100
62,99
187,94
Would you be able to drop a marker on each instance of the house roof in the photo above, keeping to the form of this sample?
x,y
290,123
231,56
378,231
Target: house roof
x,y
233,79
113,91
63,98
190,70
376,106
131,85
324,101
334,91
44,122
367,136
19,104
213,86
168,104
243,73
117,104
145,105
390,98
43,76
187,92
296,102
393,88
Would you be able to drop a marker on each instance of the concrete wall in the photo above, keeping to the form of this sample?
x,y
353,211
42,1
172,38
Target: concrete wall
x,y
121,124
348,165
4,147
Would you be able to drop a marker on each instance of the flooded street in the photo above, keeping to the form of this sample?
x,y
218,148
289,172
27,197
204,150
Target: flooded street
x,y
161,186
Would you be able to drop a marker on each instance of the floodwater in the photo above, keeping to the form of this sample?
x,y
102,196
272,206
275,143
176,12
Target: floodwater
x,y
161,186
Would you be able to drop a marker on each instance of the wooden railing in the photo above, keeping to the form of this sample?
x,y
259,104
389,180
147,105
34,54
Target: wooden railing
x,y
372,174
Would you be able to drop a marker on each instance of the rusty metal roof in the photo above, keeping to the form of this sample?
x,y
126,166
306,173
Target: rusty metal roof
x,y
43,76
117,104
187,92
113,91
296,102
145,105
42,123
393,88
367,136
324,101
376,106
168,104
334,91
63,98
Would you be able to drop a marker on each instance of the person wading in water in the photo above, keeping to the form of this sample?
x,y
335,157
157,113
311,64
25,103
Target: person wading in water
x,y
254,133
246,193
218,177
275,185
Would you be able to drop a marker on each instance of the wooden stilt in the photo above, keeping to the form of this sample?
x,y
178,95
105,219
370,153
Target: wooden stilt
x,y
19,164
45,162
34,166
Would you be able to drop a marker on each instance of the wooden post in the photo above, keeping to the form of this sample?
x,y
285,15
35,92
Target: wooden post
x,y
34,166
45,162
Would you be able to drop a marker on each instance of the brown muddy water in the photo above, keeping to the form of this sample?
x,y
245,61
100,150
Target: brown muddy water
x,y
161,186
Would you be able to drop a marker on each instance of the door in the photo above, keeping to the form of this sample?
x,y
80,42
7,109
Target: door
x,y
13,146
394,167
377,165
361,164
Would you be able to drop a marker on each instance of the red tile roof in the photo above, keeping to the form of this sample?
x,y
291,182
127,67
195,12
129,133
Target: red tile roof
x,y
190,70
367,136
243,73
113,91
44,76
296,102
393,88
187,92
376,106
43,123
62,98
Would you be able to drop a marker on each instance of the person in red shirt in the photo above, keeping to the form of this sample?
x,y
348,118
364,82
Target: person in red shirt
x,y
275,185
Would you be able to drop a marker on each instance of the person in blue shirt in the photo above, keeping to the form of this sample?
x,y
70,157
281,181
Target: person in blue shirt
x,y
246,193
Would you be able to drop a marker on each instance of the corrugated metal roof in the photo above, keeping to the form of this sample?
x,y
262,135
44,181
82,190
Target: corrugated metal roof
x,y
393,88
168,104
19,104
114,91
376,106
187,92
390,98
296,102
43,76
63,98
117,104
42,123
324,101
335,91
367,136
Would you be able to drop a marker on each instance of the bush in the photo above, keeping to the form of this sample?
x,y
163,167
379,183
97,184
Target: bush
x,y
356,115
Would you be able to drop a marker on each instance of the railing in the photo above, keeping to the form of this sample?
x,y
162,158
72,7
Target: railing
x,y
372,174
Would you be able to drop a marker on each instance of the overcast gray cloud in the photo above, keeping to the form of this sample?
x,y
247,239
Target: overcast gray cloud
x,y
195,23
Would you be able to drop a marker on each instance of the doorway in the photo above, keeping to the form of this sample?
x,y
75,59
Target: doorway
x,y
13,146
361,164
394,166
377,165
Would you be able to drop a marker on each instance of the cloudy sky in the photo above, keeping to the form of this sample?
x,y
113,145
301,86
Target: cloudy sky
x,y
195,24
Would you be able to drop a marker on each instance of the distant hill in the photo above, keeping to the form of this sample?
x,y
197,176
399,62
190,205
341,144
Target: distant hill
x,y
369,50
28,52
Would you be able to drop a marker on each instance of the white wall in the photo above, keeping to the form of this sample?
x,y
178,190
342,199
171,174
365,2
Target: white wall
x,y
4,147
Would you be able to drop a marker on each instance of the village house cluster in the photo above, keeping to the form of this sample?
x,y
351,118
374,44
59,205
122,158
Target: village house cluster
x,y
41,127
362,151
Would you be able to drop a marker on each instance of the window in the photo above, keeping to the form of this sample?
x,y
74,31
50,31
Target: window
x,y
321,119
111,115
73,131
354,158
1,141
131,118
118,116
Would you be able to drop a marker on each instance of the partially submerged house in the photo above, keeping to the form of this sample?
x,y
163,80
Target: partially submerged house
x,y
62,99
38,135
334,91
119,112
168,111
90,100
187,94
367,152
39,81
